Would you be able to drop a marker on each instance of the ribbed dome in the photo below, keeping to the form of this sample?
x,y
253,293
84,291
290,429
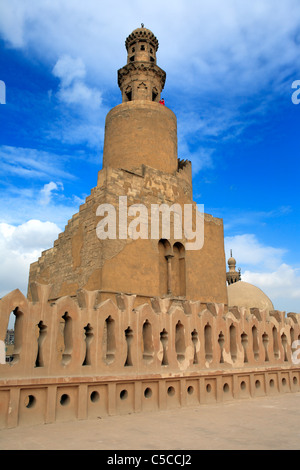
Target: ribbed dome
x,y
243,294
141,33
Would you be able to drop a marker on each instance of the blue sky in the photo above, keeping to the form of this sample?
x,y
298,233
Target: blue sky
x,y
230,67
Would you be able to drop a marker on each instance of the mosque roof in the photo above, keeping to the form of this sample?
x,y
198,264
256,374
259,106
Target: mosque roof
x,y
243,294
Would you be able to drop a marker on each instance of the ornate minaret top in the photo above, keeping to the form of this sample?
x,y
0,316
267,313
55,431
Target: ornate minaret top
x,y
141,131
141,78
232,275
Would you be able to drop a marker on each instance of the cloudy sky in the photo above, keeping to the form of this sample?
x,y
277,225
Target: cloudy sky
x,y
230,66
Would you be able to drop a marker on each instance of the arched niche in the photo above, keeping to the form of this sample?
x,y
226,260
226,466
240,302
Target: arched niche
x,y
178,270
164,251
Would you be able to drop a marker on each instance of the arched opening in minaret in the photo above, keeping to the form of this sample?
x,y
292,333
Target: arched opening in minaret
x,y
164,251
154,94
128,93
178,270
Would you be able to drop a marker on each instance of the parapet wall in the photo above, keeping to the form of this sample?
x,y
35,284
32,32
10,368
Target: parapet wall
x,y
77,359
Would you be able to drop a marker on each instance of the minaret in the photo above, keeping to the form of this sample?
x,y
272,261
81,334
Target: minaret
x,y
141,78
140,130
140,170
232,275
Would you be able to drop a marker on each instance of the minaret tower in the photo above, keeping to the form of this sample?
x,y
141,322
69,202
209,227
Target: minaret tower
x,y
140,130
141,78
141,171
232,275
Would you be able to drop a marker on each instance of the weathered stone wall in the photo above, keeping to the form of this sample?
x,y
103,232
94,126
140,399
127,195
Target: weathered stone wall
x,y
79,260
139,132
77,358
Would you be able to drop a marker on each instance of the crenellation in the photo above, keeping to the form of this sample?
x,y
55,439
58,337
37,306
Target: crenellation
x,y
162,314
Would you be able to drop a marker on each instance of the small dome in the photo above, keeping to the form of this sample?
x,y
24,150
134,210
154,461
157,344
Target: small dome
x,y
141,33
243,294
231,262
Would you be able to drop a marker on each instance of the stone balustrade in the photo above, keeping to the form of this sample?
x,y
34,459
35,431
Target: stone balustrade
x,y
77,358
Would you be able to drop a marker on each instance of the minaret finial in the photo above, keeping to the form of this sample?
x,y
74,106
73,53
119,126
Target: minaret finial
x,y
232,275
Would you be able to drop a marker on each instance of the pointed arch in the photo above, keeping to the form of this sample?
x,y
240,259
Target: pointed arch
x,y
178,270
148,347
164,250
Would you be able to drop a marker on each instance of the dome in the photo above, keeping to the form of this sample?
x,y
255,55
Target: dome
x,y
243,294
231,262
140,34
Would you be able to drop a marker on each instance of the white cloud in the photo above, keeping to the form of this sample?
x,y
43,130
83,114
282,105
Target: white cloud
x,y
230,53
68,69
201,158
19,246
80,105
79,93
47,190
46,203
73,90
12,24
222,42
247,250
282,286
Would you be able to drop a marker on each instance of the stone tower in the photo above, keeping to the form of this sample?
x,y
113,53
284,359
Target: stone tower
x,y
141,79
138,131
121,324
140,166
232,275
